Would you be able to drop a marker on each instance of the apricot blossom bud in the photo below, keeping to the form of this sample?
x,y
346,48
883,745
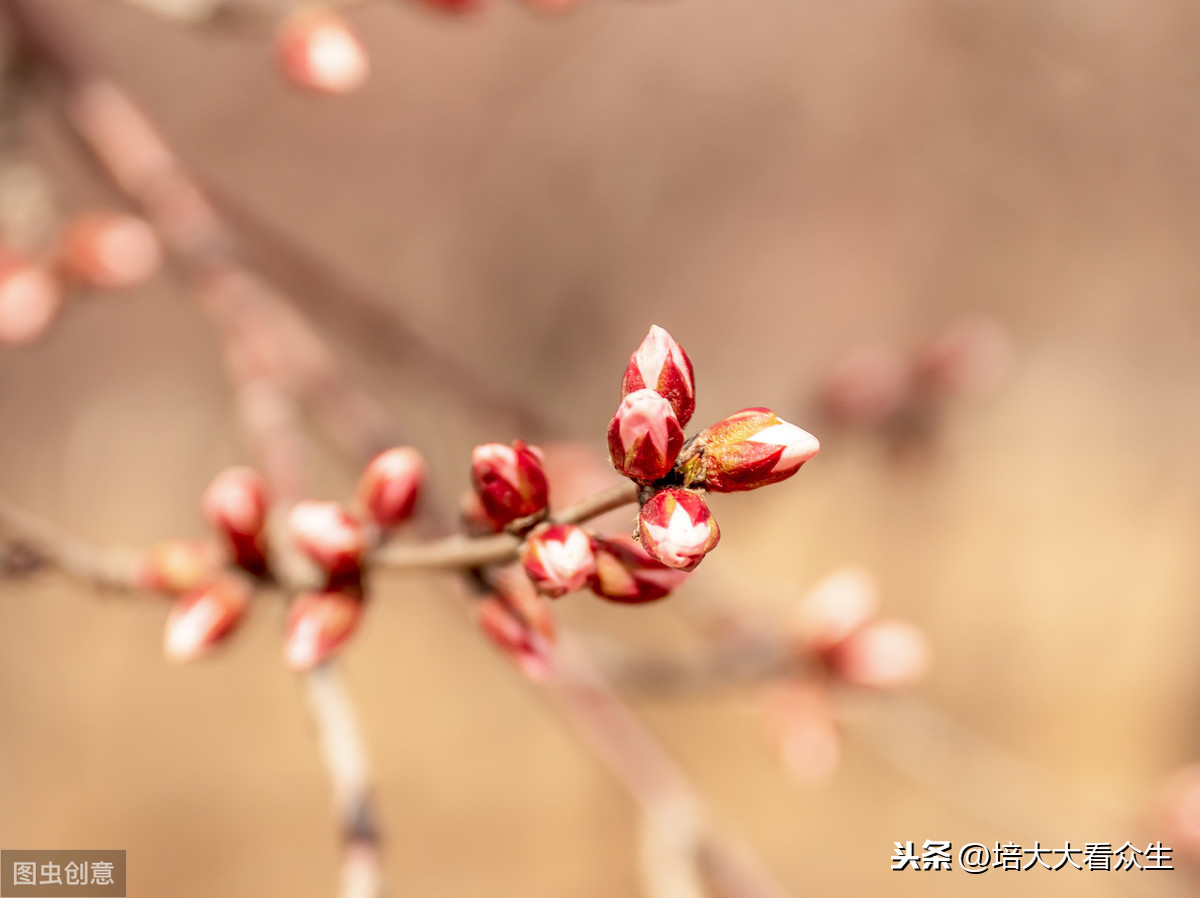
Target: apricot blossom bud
x,y
676,528
625,573
644,436
749,449
660,364
30,299
839,605
517,620
558,558
390,484
235,505
883,655
320,52
204,617
175,567
329,535
109,250
509,480
318,624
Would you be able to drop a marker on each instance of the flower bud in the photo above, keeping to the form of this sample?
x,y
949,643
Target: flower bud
x,y
235,505
203,618
518,621
558,558
840,604
509,480
676,528
390,484
625,573
882,655
749,449
644,436
175,567
319,51
660,364
30,299
109,250
329,535
318,623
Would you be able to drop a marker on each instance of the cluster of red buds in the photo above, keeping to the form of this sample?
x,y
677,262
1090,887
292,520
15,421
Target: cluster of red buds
x,y
95,251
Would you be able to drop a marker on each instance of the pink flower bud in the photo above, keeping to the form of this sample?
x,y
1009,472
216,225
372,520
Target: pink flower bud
x,y
676,528
109,250
518,621
175,567
389,486
644,436
318,623
626,574
558,558
329,535
30,299
840,604
660,364
882,655
749,449
203,618
509,480
320,52
235,505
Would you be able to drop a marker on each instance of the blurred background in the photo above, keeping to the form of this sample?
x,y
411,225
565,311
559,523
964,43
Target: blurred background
x,y
776,186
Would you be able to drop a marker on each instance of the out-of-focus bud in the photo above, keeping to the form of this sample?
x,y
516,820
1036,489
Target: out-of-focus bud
x,y
801,718
660,364
644,436
969,358
110,250
518,621
626,574
30,299
235,506
676,528
509,480
749,449
558,558
175,566
390,484
840,604
882,655
329,535
318,624
319,51
204,617
866,388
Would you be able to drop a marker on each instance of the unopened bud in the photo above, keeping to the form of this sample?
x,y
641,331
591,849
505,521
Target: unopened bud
x,y
882,655
109,250
204,618
660,364
676,528
749,449
175,567
30,299
644,436
318,624
509,480
840,604
320,52
558,558
626,573
235,506
518,621
329,535
390,484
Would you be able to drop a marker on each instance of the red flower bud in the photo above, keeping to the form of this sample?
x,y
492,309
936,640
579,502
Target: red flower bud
x,y
509,480
389,486
518,621
644,436
175,566
676,528
558,558
204,617
30,299
660,364
625,573
329,535
235,505
109,250
749,449
318,623
320,52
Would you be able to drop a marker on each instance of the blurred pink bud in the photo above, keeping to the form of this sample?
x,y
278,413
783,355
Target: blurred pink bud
x,y
676,528
175,566
749,449
625,573
329,535
968,358
109,250
518,621
30,299
235,505
644,436
882,655
660,364
558,558
806,731
840,604
390,484
319,51
318,624
509,480
203,618
867,387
